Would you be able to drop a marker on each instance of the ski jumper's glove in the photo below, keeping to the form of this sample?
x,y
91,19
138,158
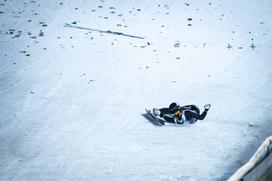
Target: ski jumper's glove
x,y
207,107
177,113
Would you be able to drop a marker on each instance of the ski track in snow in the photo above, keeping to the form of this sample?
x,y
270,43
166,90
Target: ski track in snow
x,y
71,101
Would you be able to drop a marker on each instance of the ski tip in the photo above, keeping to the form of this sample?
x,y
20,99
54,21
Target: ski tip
x,y
67,25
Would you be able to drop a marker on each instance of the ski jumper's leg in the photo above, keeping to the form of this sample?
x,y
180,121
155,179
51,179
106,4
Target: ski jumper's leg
x,y
169,119
165,111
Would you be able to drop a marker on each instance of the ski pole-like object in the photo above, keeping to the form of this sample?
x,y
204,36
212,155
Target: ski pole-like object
x,y
101,31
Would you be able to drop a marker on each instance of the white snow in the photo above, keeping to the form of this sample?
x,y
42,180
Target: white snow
x,y
72,109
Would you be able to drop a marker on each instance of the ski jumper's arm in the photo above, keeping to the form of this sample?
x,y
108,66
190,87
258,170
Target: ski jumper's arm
x,y
186,107
191,114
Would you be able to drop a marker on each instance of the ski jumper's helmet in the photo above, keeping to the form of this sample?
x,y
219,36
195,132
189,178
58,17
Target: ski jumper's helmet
x,y
173,108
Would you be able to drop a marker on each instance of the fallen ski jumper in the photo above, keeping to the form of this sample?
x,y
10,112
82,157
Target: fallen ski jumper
x,y
177,114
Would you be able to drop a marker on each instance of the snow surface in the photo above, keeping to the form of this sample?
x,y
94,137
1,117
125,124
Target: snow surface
x,y
71,100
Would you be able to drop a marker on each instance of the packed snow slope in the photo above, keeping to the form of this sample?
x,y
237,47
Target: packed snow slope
x,y
71,100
